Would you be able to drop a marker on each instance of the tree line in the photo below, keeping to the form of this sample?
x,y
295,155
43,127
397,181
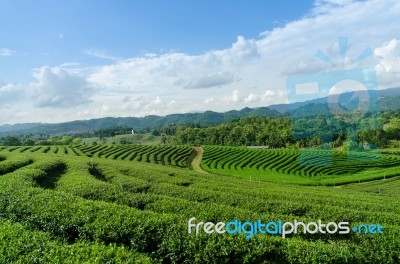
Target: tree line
x,y
31,141
284,132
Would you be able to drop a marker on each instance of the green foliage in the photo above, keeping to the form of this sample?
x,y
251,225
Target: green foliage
x,y
165,155
318,130
53,140
21,245
11,141
66,140
42,143
28,142
112,131
274,132
393,128
76,141
14,163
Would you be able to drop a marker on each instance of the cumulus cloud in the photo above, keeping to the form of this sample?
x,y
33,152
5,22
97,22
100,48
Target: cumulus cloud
x,y
157,100
268,97
212,69
10,93
209,100
140,103
211,80
388,67
233,98
251,98
4,52
59,88
305,67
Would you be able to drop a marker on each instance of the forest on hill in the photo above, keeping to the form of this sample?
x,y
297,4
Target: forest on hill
x,y
319,131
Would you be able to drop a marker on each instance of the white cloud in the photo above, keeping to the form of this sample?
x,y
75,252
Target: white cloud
x,y
10,93
233,98
388,67
179,70
211,80
157,100
71,64
324,6
59,88
251,98
273,97
101,54
267,98
209,100
4,52
150,55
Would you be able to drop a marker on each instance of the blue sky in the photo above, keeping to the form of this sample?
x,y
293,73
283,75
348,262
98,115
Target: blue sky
x,y
53,32
66,60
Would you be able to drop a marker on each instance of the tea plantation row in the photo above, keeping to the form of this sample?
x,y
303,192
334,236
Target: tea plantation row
x,y
311,167
164,155
306,167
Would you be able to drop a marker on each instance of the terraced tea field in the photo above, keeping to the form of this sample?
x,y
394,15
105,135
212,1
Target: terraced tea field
x,y
164,155
389,187
59,205
311,167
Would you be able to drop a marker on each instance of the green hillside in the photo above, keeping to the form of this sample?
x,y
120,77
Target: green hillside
x,y
310,167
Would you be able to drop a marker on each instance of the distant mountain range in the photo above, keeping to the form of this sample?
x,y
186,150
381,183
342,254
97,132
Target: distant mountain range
x,y
137,123
389,99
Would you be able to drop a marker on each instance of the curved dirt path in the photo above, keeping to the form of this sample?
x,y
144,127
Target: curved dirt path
x,y
197,160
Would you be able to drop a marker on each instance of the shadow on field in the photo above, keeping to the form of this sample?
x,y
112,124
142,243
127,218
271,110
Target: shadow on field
x,y
50,178
96,172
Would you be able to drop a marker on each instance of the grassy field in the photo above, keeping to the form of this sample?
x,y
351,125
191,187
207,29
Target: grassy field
x,y
75,204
